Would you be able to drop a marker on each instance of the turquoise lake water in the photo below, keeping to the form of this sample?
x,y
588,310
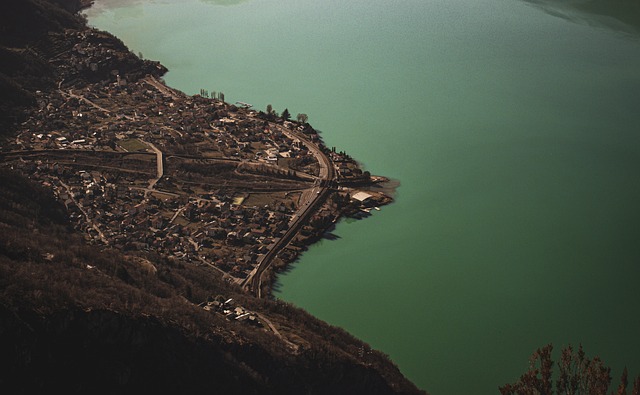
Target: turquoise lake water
x,y
514,134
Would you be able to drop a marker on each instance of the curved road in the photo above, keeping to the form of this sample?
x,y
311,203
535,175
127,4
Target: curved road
x,y
320,193
159,168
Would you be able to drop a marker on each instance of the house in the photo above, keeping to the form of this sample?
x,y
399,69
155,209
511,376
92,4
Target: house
x,y
361,196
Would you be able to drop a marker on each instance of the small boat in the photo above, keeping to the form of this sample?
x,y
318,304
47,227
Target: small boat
x,y
377,208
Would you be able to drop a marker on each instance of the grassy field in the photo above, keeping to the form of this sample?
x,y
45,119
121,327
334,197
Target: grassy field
x,y
133,145
271,199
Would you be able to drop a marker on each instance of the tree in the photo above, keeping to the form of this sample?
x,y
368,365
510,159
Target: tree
x,y
302,118
271,113
577,375
285,114
624,381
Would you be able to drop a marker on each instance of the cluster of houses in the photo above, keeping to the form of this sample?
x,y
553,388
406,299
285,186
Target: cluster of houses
x,y
231,311
191,228
110,204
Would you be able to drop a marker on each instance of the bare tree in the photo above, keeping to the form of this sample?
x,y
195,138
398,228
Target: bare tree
x,y
577,375
302,118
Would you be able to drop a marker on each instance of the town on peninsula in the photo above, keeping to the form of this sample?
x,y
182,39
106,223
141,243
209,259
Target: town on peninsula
x,y
141,228
141,166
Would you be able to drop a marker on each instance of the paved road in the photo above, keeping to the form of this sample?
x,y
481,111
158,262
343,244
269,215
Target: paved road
x,y
71,94
165,90
81,208
309,204
159,168
326,167
294,347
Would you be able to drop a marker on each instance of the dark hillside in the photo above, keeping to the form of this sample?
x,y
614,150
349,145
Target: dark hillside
x,y
24,21
33,34
83,320
23,24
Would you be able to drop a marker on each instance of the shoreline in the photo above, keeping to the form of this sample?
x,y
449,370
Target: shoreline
x,y
342,189
130,207
315,233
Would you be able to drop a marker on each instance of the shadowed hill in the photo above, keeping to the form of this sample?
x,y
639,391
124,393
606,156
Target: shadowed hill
x,y
32,33
76,318
23,23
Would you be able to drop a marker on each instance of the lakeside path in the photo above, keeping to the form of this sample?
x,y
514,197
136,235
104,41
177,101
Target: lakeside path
x,y
309,204
163,88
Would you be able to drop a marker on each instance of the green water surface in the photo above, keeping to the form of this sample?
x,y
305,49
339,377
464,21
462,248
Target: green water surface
x,y
514,135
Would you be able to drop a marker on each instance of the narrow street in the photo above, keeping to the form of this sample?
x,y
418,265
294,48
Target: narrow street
x,y
159,168
83,211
